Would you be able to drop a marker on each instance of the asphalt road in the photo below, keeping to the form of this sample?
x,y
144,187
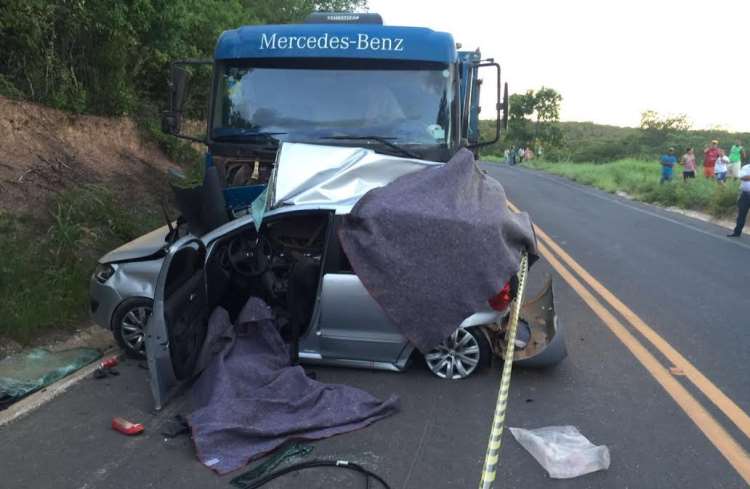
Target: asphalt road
x,y
680,276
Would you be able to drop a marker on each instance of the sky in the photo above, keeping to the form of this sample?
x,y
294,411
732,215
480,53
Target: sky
x,y
609,59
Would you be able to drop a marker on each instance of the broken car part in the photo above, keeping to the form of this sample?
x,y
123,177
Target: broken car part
x,y
279,456
24,373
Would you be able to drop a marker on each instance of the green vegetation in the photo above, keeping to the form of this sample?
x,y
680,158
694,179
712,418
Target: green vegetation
x,y
640,179
107,58
534,122
112,58
47,262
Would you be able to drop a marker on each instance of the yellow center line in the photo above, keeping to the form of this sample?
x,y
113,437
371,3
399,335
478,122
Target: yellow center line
x,y
723,441
730,409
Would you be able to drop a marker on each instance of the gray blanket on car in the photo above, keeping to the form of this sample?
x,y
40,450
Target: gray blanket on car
x,y
248,399
432,247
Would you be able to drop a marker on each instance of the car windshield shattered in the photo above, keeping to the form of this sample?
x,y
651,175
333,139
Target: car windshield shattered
x,y
407,106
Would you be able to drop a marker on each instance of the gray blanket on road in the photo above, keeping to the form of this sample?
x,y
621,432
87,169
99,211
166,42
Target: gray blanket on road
x,y
248,400
432,247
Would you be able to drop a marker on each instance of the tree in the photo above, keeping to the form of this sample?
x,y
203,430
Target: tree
x,y
111,58
520,130
657,129
534,117
547,111
653,121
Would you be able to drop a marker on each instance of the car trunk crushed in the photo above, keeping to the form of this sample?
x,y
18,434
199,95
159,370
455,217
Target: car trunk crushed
x,y
359,258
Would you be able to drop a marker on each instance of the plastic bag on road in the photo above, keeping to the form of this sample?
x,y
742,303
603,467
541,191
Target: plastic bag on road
x,y
563,451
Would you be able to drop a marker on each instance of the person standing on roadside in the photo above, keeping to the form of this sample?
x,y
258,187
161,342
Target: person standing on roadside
x,y
743,203
736,155
720,167
688,163
710,155
668,161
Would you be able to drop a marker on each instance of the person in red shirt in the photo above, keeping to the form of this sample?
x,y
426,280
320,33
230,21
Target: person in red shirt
x,y
710,155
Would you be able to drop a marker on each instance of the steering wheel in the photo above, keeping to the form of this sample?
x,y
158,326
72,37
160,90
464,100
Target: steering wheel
x,y
247,258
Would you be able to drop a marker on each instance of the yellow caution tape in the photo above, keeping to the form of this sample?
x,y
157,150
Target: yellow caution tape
x,y
492,457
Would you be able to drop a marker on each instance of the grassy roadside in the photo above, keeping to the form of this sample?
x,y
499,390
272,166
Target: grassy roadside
x,y
47,261
640,179
49,256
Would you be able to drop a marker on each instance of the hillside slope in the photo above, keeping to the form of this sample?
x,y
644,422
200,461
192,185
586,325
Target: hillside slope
x,y
72,188
45,151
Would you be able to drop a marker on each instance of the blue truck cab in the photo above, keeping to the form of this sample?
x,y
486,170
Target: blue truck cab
x,y
337,79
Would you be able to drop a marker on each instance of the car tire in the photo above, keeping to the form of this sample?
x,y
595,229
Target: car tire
x,y
460,355
128,323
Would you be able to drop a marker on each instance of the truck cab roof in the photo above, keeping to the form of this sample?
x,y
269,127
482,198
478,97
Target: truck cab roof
x,y
352,41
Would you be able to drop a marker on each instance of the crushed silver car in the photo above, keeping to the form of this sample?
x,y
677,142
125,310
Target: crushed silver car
x,y
288,252
121,289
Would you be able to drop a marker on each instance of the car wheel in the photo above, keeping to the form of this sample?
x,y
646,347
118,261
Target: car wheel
x,y
129,323
459,355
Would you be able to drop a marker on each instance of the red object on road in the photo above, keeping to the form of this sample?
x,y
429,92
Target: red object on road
x,y
109,362
126,427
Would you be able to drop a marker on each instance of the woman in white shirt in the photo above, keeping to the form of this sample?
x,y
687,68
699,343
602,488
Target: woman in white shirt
x,y
722,164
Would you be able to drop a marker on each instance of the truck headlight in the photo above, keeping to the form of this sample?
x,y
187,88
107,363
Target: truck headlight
x,y
103,272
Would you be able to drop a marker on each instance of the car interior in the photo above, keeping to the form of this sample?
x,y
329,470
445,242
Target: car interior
x,y
280,264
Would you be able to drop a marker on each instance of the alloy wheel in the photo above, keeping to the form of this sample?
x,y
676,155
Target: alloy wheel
x,y
456,357
132,328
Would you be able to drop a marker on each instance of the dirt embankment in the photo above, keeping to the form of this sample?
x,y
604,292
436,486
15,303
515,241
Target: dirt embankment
x,y
44,151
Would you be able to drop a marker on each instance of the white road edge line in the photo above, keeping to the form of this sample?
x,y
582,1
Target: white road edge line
x,y
581,188
39,398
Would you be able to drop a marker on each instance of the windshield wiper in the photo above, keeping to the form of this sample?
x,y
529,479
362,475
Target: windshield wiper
x,y
264,136
384,140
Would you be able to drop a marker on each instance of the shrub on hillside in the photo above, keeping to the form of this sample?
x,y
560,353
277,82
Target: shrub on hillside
x,y
85,223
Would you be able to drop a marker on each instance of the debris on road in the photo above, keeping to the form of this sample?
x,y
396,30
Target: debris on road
x,y
175,427
104,372
24,373
109,362
126,427
677,371
563,451
284,453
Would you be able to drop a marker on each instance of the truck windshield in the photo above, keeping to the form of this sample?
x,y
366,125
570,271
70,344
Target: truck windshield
x,y
407,106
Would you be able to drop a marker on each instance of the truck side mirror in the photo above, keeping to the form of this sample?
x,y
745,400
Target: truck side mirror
x,y
506,106
499,122
178,87
171,121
